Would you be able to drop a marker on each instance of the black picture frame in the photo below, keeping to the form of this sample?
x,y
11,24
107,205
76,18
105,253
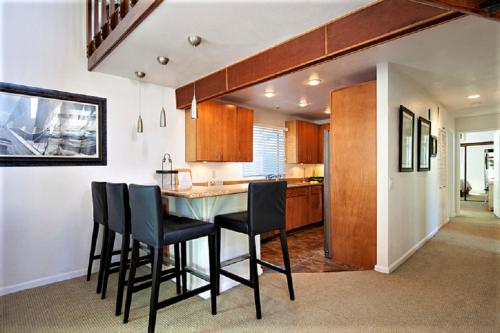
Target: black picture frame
x,y
40,160
434,149
424,145
406,115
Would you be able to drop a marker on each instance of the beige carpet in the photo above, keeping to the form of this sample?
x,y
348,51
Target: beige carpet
x,y
451,285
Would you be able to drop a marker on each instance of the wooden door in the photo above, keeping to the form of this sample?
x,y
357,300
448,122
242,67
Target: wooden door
x,y
245,132
209,132
353,170
230,149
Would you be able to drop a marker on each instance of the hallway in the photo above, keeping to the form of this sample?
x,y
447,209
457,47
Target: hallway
x,y
451,285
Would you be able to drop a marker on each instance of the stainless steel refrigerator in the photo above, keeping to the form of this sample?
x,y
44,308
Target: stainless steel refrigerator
x,y
327,205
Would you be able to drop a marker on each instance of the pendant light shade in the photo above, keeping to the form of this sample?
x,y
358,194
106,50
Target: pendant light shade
x,y
140,127
194,108
163,118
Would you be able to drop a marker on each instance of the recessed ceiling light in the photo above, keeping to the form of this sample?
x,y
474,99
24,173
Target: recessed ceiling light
x,y
328,110
269,93
475,96
313,81
303,103
162,60
194,40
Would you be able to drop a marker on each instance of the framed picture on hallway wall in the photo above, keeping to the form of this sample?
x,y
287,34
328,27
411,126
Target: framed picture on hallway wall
x,y
424,145
41,127
406,129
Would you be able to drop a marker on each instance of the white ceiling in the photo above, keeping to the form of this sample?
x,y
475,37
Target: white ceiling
x,y
451,61
231,30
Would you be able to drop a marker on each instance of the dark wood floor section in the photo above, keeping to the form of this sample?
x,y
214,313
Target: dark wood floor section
x,y
306,253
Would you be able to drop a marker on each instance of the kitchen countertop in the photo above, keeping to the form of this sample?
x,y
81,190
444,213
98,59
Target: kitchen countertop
x,y
196,192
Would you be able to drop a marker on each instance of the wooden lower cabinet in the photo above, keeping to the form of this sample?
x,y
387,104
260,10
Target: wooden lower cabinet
x,y
304,206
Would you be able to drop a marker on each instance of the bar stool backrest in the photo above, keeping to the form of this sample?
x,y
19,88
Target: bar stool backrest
x,y
99,204
118,208
266,206
146,214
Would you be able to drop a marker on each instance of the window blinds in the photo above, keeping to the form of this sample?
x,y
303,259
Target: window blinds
x,y
268,152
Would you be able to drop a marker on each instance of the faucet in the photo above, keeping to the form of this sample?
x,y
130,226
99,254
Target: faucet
x,y
164,159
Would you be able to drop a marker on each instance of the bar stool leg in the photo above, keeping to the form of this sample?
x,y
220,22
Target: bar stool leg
x,y
131,277
286,260
217,258
107,262
102,261
177,268
157,265
254,276
121,274
183,267
213,272
95,231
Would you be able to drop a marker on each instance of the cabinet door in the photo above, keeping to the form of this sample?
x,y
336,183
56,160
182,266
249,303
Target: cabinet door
x,y
302,151
209,132
245,132
313,141
296,208
229,114
315,204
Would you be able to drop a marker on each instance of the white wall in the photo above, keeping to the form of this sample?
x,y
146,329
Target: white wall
x,y
45,212
478,123
409,203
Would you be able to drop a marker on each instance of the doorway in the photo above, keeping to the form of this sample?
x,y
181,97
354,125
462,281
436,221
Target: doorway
x,y
477,170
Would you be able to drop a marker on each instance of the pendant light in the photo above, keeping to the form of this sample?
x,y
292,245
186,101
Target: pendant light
x,y
194,106
162,60
140,126
194,41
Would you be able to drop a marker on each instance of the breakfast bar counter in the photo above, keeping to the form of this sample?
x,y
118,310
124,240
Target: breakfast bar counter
x,y
204,203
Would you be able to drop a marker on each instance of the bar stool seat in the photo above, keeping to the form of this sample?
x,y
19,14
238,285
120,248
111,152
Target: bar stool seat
x,y
234,221
180,229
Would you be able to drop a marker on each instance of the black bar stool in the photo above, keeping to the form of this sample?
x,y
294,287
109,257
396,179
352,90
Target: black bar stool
x,y
149,226
119,222
265,212
100,211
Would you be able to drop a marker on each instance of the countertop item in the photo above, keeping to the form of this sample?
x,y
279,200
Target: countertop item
x,y
196,192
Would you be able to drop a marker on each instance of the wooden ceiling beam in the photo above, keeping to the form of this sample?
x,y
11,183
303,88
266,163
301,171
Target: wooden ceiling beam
x,y
485,8
374,24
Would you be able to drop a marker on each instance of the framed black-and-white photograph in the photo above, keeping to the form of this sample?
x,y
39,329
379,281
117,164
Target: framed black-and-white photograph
x,y
424,144
406,130
434,146
40,127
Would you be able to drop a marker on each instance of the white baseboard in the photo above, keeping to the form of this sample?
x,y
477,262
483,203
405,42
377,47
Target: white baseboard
x,y
41,282
392,267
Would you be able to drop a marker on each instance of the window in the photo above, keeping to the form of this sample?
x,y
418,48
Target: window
x,y
268,152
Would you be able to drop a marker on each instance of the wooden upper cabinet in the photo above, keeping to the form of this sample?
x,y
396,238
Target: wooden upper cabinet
x,y
229,132
222,133
209,132
245,132
302,142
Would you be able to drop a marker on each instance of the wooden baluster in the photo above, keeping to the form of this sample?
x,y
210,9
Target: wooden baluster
x,y
124,7
97,31
90,48
113,15
104,19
